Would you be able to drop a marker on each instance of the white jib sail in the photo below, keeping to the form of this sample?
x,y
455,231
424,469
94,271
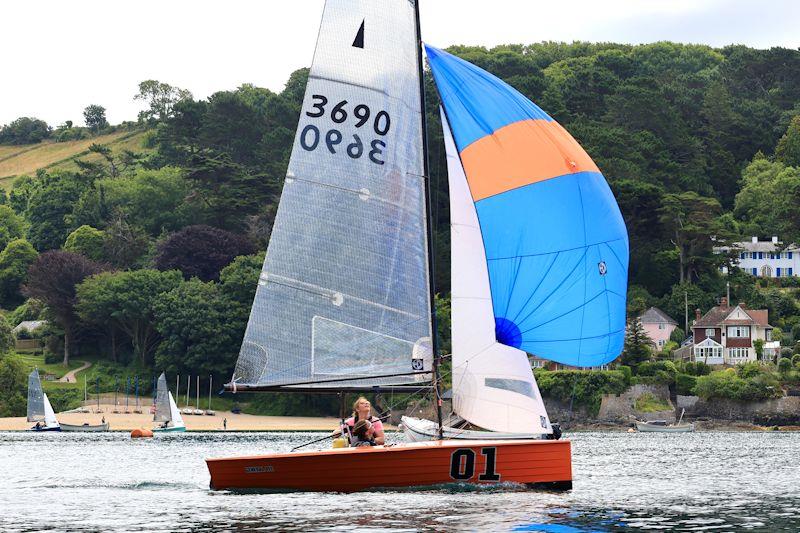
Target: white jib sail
x,y
343,297
49,415
175,414
493,384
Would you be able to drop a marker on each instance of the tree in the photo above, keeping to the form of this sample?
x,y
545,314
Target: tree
x,y
161,97
201,329
758,346
201,251
14,262
6,337
125,244
638,346
692,221
154,200
12,226
788,149
238,280
87,241
25,130
768,198
52,278
784,366
51,199
125,300
12,382
95,117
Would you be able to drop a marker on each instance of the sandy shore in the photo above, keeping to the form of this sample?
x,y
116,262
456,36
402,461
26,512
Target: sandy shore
x,y
240,422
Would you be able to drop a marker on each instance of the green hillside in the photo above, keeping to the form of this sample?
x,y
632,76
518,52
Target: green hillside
x,y
27,159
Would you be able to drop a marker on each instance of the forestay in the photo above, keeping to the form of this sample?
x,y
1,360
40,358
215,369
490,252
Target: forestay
x,y
35,398
493,385
555,242
344,291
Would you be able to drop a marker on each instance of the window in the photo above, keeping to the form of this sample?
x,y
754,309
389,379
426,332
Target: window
x,y
742,255
537,363
661,325
778,270
772,255
755,272
513,385
739,332
768,335
710,332
661,342
760,255
790,255
738,353
790,271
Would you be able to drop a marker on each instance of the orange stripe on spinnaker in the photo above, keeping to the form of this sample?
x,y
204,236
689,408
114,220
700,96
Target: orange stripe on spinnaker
x,y
522,153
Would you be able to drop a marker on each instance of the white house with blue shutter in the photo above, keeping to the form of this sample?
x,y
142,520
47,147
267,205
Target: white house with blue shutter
x,y
765,259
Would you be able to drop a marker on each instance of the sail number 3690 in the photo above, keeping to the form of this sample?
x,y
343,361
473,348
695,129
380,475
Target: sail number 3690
x,y
311,137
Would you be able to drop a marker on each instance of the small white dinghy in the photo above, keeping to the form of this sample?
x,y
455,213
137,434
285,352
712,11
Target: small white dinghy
x,y
167,412
649,427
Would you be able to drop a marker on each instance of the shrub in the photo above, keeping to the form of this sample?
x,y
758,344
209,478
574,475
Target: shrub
x,y
728,385
658,372
784,365
64,399
649,403
583,387
51,358
13,383
685,384
796,360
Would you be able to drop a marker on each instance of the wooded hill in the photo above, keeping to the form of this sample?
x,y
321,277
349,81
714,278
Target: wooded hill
x,y
696,143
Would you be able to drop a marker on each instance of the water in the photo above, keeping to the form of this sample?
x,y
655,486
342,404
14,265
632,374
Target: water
x,y
690,482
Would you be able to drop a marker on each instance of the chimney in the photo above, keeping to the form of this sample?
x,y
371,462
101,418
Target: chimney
x,y
755,240
697,315
723,302
774,239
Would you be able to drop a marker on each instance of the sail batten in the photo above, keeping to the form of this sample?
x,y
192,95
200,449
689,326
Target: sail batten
x,y
554,241
344,290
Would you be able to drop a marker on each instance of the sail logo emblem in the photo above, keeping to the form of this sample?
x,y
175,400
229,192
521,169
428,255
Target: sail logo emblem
x,y
417,364
601,266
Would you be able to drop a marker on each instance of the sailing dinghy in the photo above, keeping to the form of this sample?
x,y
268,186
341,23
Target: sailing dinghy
x,y
39,408
167,413
345,298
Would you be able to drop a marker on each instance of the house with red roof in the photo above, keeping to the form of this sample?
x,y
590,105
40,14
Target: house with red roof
x,y
725,334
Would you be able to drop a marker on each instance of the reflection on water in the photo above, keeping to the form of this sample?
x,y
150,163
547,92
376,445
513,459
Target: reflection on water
x,y
623,482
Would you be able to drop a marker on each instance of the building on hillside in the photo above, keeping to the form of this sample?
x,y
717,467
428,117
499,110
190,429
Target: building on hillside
x,y
765,259
725,334
537,362
658,325
25,335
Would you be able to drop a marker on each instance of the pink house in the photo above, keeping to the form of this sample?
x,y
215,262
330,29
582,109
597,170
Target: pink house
x,y
658,326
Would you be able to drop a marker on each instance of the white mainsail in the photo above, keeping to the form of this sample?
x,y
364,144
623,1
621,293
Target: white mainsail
x,y
493,385
343,297
166,408
50,420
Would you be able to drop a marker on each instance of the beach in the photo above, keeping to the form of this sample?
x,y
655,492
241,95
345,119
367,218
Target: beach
x,y
235,422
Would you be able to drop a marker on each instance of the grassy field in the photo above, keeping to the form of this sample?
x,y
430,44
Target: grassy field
x,y
26,160
37,361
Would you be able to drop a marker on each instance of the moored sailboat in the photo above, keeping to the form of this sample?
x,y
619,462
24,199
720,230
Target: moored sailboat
x,y
344,300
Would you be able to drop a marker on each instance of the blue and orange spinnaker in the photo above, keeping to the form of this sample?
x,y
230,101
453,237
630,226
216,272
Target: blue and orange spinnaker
x,y
556,244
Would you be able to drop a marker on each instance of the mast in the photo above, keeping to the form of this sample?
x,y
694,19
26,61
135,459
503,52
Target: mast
x,y
429,218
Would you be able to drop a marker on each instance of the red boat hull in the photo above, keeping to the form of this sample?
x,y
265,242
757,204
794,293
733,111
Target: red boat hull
x,y
545,463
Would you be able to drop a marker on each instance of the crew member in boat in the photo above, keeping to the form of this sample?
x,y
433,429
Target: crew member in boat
x,y
364,434
362,410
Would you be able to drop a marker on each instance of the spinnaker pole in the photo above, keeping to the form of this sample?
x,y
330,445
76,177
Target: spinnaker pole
x,y
429,220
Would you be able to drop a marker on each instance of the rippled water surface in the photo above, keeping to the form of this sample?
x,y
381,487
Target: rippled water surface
x,y
690,482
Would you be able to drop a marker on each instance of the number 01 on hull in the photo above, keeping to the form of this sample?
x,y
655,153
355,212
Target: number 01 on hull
x,y
543,463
